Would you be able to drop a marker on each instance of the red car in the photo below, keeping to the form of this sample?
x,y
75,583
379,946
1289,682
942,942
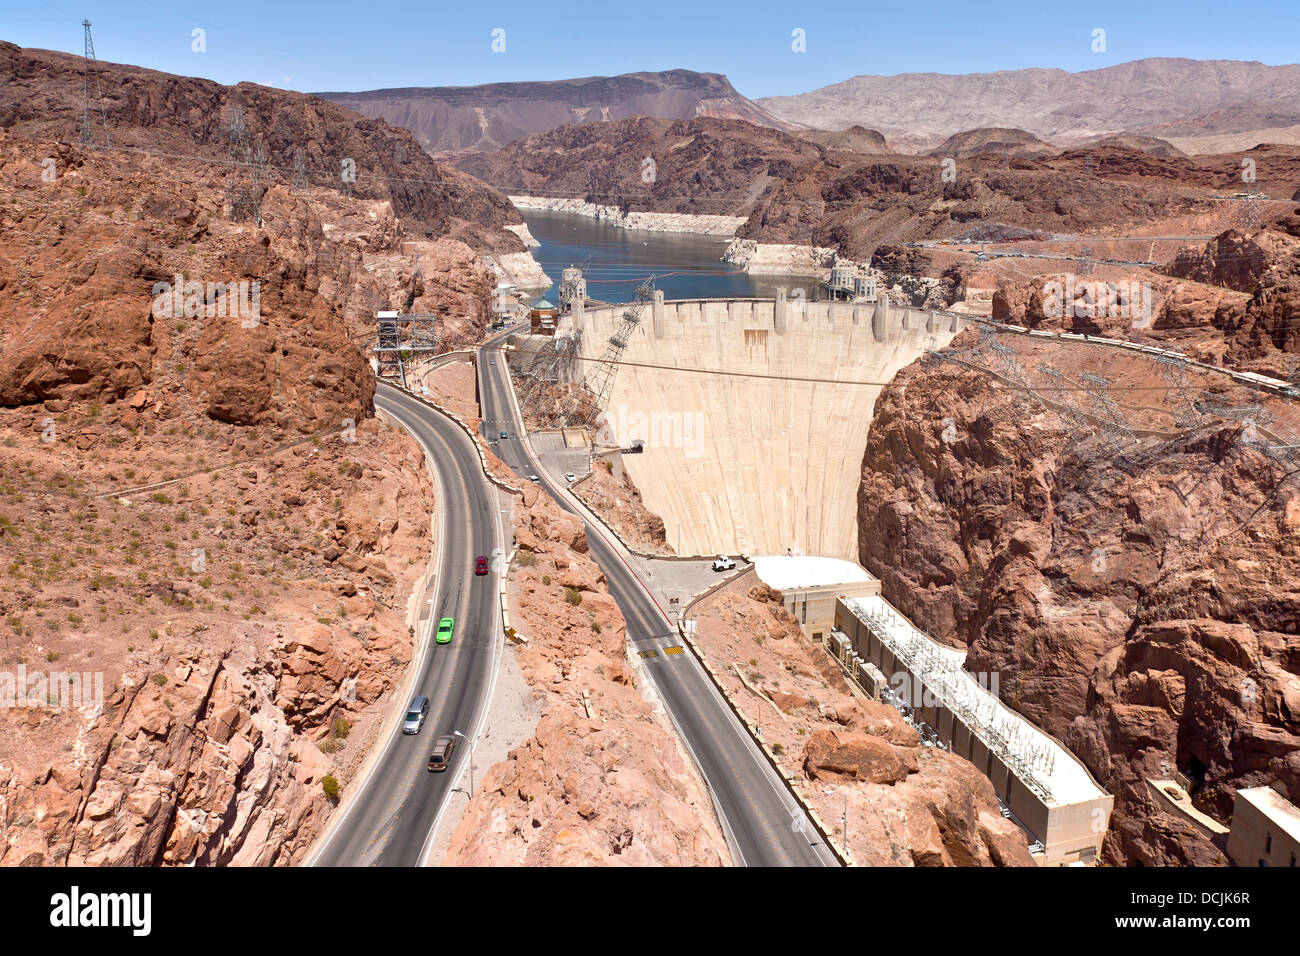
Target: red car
x,y
480,565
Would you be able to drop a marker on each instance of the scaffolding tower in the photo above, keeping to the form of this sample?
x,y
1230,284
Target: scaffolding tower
x,y
403,339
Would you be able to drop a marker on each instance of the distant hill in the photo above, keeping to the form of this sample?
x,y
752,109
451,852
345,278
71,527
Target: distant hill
x,y
857,139
1165,97
1147,144
998,140
704,165
459,119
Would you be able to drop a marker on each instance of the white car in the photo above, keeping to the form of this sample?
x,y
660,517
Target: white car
x,y
570,476
534,478
723,563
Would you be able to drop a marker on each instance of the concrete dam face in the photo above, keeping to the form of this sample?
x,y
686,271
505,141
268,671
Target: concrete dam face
x,y
762,451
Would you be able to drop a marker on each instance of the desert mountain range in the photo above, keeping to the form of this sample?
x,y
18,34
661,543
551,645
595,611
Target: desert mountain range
x,y
1197,105
452,119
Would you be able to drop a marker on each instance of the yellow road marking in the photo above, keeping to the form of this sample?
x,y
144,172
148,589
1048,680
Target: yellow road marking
x,y
673,650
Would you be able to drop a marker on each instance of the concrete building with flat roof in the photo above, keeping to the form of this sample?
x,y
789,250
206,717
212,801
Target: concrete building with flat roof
x,y
811,585
1265,829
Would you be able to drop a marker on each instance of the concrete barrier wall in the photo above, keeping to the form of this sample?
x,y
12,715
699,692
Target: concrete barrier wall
x,y
768,459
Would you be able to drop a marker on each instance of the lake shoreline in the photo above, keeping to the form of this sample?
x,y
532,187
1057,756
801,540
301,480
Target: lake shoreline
x,y
718,226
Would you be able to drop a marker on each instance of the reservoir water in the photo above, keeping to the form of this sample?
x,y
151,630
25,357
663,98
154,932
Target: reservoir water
x,y
686,266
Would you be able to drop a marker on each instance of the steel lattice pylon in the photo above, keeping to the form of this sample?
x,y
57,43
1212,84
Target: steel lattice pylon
x,y
551,363
1182,402
87,137
586,405
390,350
248,166
1116,428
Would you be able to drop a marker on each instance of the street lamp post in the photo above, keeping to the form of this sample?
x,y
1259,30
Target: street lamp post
x,y
469,743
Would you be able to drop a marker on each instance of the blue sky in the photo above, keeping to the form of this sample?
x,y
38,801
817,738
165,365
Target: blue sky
x,y
380,43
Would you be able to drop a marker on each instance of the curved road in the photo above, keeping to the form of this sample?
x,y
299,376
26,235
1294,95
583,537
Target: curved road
x,y
391,820
764,824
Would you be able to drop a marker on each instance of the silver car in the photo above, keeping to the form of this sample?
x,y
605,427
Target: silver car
x,y
415,715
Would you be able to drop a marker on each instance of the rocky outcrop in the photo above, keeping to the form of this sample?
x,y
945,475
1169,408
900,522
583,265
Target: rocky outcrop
x,y
225,701
709,167
41,97
1136,605
202,515
611,493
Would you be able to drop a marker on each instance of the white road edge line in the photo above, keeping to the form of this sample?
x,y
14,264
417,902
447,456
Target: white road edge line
x,y
412,672
733,845
498,642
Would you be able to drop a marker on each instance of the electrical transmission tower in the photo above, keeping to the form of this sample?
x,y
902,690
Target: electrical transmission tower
x,y
1066,407
87,136
404,338
248,167
1085,261
554,363
300,187
586,404
1115,425
1182,403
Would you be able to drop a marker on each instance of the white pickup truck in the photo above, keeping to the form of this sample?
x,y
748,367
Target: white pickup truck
x,y
723,563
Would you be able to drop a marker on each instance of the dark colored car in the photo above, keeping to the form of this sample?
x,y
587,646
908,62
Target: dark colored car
x,y
480,565
442,751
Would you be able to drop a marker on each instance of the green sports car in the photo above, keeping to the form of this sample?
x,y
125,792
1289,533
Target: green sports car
x,y
445,627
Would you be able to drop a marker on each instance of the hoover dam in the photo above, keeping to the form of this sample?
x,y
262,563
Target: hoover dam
x,y
753,413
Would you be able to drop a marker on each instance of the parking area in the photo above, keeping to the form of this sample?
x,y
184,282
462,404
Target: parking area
x,y
559,456
675,582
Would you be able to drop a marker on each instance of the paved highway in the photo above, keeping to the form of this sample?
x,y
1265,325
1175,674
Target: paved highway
x,y
764,825
389,822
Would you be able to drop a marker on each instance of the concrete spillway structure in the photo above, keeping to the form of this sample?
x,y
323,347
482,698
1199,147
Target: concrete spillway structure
x,y
754,413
